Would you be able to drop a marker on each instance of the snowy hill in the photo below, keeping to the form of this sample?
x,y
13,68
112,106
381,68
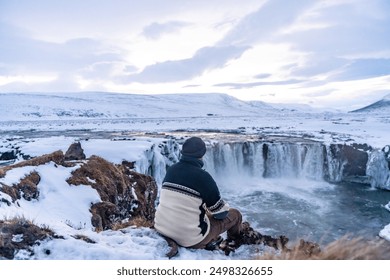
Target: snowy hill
x,y
22,113
99,105
381,106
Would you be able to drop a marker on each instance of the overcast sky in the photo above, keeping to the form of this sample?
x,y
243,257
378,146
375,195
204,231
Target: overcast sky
x,y
333,53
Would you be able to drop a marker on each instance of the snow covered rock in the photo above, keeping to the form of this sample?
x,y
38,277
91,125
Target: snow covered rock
x,y
127,197
378,169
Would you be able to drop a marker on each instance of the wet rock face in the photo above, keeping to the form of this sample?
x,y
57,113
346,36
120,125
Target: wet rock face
x,y
8,155
354,159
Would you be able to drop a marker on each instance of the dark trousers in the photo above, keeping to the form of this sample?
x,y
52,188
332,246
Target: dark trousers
x,y
231,223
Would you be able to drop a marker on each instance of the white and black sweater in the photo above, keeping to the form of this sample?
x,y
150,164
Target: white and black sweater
x,y
187,193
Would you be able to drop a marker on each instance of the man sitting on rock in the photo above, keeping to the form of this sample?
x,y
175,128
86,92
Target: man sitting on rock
x,y
191,211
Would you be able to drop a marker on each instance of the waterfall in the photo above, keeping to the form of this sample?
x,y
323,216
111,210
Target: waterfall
x,y
266,160
235,159
294,160
278,159
335,164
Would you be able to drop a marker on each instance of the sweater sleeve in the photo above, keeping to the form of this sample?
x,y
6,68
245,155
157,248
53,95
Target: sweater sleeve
x,y
219,210
215,205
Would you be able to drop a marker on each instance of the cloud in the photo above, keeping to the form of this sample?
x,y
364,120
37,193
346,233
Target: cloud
x,y
348,26
64,20
262,76
156,30
319,94
106,70
363,69
207,58
63,82
331,36
21,53
315,64
256,84
81,58
266,21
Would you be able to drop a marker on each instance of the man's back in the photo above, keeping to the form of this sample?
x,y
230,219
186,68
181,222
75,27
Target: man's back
x,y
180,214
188,195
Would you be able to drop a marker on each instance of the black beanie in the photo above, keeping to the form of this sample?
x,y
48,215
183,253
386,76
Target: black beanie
x,y
194,147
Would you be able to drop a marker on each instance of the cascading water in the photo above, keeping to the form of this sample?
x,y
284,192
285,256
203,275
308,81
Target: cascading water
x,y
335,165
295,160
266,160
235,159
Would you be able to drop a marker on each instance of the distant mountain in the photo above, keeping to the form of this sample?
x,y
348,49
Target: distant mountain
x,y
295,107
102,105
381,106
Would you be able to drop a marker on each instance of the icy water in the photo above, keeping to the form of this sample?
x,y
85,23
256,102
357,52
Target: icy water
x,y
315,211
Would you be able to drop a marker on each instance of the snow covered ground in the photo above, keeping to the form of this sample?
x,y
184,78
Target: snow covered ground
x,y
42,123
70,113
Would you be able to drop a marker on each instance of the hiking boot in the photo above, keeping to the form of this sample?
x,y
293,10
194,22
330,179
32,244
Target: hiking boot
x,y
214,244
227,246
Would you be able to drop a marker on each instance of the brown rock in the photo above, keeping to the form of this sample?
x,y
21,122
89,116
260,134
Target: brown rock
x,y
75,152
103,214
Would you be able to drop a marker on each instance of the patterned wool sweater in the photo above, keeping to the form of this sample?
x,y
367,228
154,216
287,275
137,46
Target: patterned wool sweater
x,y
187,193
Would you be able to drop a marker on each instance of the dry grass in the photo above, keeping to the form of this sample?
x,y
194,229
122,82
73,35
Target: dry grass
x,y
57,157
136,222
84,238
26,188
110,181
29,234
116,185
345,248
